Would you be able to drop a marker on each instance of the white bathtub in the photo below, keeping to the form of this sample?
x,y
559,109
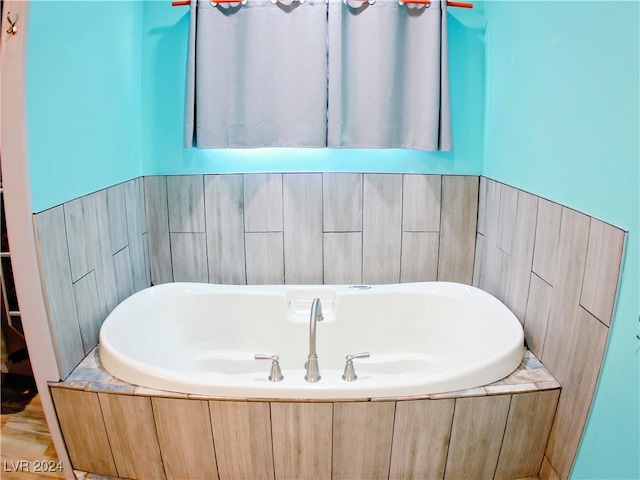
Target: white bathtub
x,y
423,338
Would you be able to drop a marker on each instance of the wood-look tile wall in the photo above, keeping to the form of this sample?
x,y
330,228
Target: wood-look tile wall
x,y
501,436
557,270
332,228
93,254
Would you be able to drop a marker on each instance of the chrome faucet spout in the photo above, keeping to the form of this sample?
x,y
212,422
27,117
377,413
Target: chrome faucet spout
x,y
313,371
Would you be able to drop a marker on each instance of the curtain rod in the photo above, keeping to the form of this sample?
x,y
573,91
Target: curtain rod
x,y
183,3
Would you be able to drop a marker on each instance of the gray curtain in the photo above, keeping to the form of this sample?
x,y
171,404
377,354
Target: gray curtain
x,y
388,76
258,75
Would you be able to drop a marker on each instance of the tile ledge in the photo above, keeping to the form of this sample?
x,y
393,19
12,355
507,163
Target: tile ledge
x,y
90,376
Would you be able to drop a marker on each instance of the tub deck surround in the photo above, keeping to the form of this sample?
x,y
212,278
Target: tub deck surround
x,y
424,338
496,431
91,376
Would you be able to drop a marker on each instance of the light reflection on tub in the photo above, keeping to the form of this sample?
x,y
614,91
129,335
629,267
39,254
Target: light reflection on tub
x,y
424,338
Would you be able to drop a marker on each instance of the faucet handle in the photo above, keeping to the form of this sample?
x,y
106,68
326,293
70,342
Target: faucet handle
x,y
275,375
264,356
350,358
349,374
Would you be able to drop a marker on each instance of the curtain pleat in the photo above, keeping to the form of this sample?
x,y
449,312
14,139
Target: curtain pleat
x,y
445,138
190,101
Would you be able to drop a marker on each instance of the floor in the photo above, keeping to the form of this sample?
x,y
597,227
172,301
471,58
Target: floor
x,y
27,450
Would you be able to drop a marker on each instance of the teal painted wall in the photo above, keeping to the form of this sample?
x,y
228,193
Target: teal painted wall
x,y
83,97
562,122
163,77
